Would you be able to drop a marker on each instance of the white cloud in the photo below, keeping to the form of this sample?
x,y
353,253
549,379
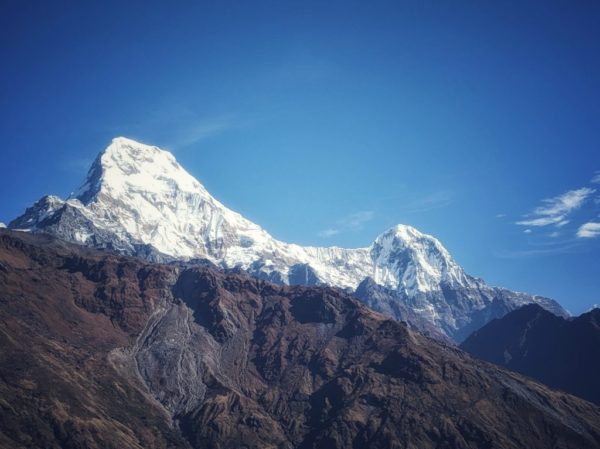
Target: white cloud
x,y
500,215
353,222
589,230
554,211
527,231
596,178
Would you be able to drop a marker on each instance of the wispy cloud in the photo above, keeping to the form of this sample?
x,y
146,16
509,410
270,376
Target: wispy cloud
x,y
554,243
561,224
533,252
198,130
415,201
431,201
176,125
554,211
353,223
589,230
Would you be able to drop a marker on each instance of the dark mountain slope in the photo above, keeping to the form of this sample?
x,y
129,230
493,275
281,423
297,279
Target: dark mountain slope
x,y
58,386
104,351
561,353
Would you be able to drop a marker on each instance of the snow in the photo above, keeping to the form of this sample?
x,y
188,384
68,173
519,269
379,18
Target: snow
x,y
81,237
140,192
415,262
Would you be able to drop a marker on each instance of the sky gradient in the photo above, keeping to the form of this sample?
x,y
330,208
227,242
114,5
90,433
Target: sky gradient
x,y
329,123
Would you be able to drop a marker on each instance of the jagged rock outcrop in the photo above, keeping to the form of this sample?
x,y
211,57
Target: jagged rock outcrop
x,y
104,351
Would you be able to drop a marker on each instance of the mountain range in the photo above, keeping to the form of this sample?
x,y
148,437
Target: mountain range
x,y
562,353
137,200
105,351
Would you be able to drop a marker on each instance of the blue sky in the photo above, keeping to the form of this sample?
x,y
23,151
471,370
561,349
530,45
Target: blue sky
x,y
328,123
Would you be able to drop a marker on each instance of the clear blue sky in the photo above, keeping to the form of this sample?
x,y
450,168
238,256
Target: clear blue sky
x,y
328,122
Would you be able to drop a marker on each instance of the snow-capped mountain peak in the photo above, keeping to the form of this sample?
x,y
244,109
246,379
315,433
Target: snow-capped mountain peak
x,y
416,261
126,165
138,200
142,193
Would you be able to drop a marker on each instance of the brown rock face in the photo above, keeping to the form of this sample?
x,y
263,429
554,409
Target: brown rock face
x,y
63,313
105,351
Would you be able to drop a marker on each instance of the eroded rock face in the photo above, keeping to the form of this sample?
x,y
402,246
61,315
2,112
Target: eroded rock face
x,y
69,321
106,351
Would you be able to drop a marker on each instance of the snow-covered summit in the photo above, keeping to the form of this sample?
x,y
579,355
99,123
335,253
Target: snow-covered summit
x,y
415,261
138,200
127,165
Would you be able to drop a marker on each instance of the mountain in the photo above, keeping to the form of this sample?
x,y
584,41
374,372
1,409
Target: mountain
x,y
106,351
139,201
561,353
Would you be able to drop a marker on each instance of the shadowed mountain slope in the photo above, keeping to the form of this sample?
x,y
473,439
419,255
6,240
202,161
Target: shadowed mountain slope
x,y
561,353
99,350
